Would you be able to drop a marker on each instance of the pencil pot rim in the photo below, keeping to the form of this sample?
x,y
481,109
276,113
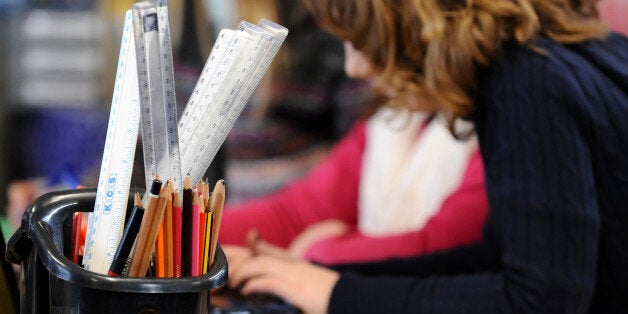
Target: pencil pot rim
x,y
40,239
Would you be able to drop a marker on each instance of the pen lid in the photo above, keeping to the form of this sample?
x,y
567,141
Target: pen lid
x,y
155,188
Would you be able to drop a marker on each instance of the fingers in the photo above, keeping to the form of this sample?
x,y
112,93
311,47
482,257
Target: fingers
x,y
258,246
253,267
263,284
299,283
316,233
236,256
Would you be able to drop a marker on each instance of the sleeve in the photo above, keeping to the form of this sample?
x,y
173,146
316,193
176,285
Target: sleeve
x,y
281,216
458,222
544,211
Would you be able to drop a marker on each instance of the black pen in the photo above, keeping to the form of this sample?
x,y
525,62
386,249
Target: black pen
x,y
128,238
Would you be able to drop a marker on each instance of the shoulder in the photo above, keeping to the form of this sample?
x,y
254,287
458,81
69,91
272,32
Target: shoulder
x,y
545,62
549,72
528,68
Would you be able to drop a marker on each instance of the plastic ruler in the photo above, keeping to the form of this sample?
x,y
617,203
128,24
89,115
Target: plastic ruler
x,y
219,61
155,72
235,67
105,223
218,83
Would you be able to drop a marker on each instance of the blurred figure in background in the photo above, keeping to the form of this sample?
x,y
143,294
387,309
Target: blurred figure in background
x,y
303,105
615,14
545,85
398,184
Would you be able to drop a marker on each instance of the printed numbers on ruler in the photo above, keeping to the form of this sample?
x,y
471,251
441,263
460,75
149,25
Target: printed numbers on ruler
x,y
196,108
225,99
105,224
157,94
199,151
272,36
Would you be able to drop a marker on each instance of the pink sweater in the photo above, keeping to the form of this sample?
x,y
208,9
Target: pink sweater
x,y
330,191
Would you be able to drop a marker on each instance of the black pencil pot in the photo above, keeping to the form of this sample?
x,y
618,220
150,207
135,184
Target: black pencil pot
x,y
51,283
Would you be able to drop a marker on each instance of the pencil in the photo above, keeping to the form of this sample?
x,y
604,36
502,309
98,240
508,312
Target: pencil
x,y
201,225
209,218
154,229
128,238
176,233
169,236
160,249
196,216
186,227
218,196
149,209
153,217
77,220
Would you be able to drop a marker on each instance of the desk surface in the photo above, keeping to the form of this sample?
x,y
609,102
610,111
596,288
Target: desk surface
x,y
227,301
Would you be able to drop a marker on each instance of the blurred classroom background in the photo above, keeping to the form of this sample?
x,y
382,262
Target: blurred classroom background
x,y
59,60
58,64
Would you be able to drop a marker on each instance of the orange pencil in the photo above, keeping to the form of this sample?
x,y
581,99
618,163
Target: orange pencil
x,y
201,224
160,250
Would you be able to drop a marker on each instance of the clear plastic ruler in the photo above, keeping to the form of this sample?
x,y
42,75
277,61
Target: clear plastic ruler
x,y
105,223
265,52
214,70
214,122
160,138
218,85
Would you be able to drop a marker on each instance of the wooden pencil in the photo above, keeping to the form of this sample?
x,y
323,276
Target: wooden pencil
x,y
149,209
218,196
145,245
155,225
201,225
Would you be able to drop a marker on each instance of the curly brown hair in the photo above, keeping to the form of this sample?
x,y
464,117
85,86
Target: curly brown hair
x,y
429,51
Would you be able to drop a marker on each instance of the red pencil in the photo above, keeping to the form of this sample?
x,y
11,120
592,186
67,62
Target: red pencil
x,y
169,237
77,220
177,215
196,216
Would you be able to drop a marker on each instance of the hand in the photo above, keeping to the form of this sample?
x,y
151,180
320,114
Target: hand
x,y
260,246
238,255
299,283
314,233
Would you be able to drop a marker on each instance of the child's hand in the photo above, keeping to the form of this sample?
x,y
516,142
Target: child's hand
x,y
317,232
299,283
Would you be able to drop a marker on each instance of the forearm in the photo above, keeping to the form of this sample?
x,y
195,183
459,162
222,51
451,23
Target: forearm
x,y
281,216
357,294
479,257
